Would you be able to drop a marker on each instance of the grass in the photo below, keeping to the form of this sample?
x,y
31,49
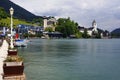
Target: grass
x,y
7,21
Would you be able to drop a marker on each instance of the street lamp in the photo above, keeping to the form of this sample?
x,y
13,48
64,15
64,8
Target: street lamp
x,y
11,26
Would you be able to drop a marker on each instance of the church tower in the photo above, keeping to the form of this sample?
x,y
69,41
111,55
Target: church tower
x,y
94,25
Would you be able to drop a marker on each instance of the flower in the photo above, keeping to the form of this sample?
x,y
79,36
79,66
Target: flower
x,y
13,59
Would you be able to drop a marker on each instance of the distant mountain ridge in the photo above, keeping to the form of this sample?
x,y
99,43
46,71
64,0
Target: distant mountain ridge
x,y
19,12
116,33
116,30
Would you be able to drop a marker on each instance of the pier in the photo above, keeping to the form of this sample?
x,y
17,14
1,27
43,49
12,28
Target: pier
x,y
3,56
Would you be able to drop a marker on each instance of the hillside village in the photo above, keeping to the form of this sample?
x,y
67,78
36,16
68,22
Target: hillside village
x,y
48,30
46,27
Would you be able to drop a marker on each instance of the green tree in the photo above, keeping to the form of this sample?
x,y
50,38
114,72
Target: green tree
x,y
85,34
67,27
78,35
3,14
38,21
49,29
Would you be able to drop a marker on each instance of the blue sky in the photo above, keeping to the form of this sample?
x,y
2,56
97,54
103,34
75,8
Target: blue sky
x,y
105,12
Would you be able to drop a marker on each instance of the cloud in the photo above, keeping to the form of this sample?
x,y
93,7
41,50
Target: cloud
x,y
105,12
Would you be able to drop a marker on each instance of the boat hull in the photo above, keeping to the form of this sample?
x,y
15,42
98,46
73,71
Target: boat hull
x,y
20,43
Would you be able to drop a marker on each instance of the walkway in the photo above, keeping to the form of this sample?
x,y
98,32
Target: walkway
x,y
3,55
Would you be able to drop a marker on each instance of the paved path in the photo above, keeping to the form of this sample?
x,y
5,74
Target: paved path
x,y
3,55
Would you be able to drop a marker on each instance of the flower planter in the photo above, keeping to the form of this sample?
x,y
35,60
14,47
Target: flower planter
x,y
12,52
13,63
13,59
13,70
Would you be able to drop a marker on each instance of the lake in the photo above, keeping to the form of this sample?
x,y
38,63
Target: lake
x,y
72,59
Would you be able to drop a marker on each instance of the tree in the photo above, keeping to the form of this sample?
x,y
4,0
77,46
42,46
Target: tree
x,y
3,14
96,34
49,29
78,35
67,27
85,34
38,21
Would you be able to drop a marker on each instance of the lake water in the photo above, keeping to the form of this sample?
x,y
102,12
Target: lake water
x,y
72,59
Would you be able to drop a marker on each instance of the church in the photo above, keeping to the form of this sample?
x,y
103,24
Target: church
x,y
94,30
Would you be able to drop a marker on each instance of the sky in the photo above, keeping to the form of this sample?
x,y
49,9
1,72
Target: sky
x,y
105,12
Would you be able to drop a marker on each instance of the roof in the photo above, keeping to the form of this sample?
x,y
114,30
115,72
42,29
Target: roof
x,y
91,28
81,28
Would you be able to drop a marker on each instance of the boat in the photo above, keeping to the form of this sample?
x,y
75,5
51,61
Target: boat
x,y
20,42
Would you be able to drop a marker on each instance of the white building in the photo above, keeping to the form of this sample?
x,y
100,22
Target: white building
x,y
45,23
49,22
91,29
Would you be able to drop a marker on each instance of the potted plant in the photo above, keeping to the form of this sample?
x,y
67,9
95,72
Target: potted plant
x,y
12,51
13,70
13,61
13,65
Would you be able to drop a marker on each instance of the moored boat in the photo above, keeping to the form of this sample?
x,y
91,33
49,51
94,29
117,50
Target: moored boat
x,y
20,43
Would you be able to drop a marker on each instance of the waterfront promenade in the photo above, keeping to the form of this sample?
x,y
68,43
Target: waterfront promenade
x,y
3,55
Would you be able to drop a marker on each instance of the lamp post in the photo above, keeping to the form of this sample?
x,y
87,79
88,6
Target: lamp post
x,y
11,26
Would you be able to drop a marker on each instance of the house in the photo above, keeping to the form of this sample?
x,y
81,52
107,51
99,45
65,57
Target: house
x,y
81,29
49,22
23,29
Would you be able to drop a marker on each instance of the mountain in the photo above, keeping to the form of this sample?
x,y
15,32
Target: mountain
x,y
116,33
116,30
19,12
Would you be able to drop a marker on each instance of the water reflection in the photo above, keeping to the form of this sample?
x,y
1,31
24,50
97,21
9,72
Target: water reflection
x,y
79,59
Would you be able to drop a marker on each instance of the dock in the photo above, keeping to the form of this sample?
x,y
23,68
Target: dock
x,y
3,56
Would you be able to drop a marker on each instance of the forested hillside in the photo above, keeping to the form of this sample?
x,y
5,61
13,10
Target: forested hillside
x,y
19,12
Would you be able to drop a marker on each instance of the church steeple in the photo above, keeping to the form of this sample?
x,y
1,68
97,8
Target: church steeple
x,y
94,25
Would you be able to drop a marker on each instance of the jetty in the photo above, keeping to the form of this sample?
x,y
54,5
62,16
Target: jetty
x,y
3,55
13,72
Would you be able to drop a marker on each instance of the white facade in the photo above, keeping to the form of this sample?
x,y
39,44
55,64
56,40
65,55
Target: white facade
x,y
45,23
89,32
82,31
49,22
